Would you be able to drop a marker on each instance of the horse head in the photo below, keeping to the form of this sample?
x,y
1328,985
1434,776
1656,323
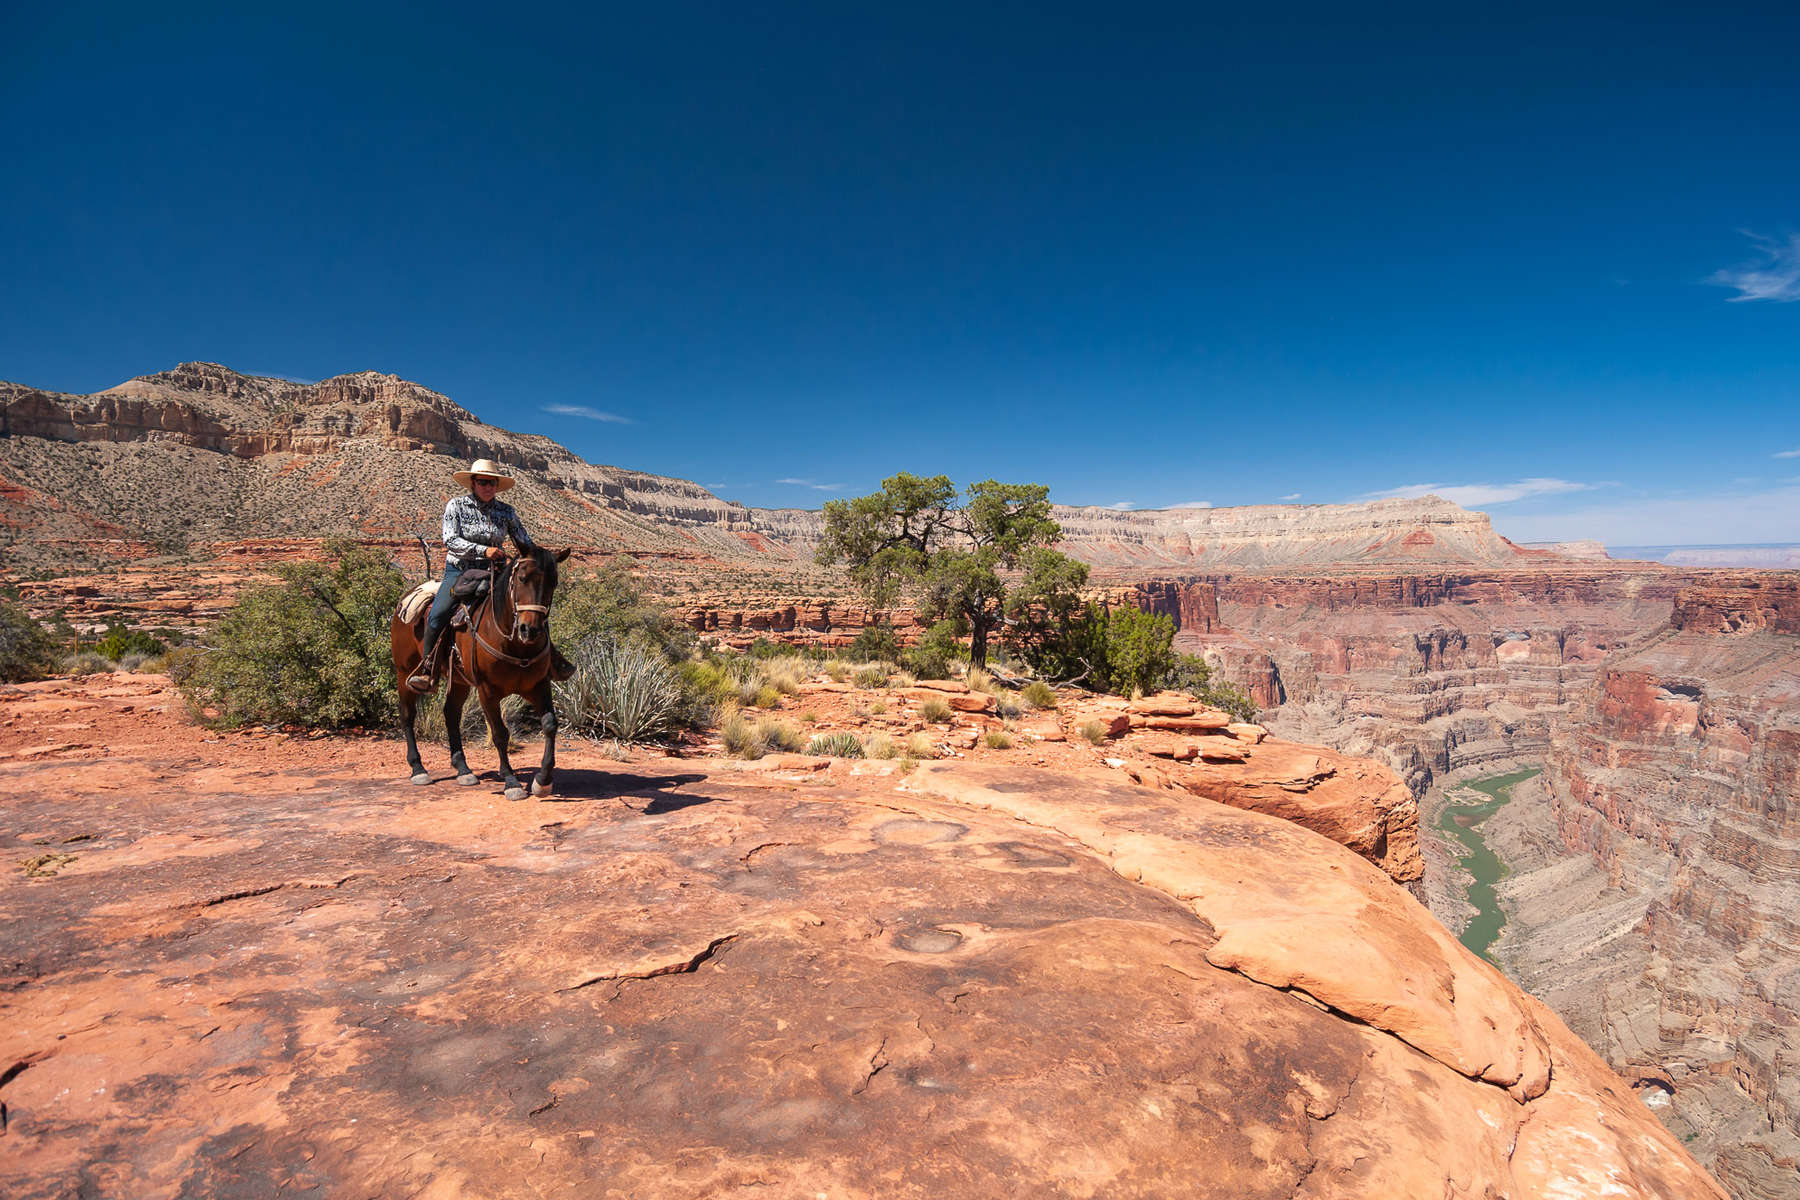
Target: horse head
x,y
530,587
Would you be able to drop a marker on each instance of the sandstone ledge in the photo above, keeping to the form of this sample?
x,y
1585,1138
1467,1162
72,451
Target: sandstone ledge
x,y
280,970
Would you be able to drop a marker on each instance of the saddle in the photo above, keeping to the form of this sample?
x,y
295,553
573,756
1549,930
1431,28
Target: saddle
x,y
468,591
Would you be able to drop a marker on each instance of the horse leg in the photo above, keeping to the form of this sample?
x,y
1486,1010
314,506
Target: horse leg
x,y
545,702
409,710
490,708
454,698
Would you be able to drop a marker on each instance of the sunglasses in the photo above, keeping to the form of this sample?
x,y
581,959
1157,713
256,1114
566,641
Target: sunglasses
x,y
479,482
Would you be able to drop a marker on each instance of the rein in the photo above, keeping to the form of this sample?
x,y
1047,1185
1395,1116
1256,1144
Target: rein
x,y
513,635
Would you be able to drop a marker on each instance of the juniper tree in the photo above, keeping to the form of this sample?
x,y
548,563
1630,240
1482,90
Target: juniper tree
x,y
978,558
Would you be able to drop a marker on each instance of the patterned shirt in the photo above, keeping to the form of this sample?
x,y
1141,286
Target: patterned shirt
x,y
470,527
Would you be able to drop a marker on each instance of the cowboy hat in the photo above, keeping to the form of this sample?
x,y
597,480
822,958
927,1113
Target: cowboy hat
x,y
487,468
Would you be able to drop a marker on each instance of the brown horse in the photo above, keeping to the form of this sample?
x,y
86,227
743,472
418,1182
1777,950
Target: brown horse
x,y
505,651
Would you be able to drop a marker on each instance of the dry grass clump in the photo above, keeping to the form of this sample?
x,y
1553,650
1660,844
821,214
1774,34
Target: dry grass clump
x,y
740,737
779,735
880,745
878,707
919,746
935,711
996,739
784,674
871,677
980,681
1093,731
839,671
1039,694
902,679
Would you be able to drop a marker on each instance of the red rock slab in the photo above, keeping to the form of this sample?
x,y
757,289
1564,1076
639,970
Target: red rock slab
x,y
1204,722
1355,802
1115,723
1175,748
1245,732
667,984
1165,704
943,685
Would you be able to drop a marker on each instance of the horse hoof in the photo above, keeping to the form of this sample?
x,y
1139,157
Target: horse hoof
x,y
542,789
515,793
421,779
468,780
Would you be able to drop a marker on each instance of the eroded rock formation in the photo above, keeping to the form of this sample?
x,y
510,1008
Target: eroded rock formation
x,y
262,967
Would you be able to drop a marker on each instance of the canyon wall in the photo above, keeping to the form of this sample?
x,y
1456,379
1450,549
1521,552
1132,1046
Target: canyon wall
x,y
1679,772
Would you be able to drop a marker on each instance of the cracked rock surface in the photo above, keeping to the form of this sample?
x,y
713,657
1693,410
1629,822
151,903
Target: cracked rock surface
x,y
271,967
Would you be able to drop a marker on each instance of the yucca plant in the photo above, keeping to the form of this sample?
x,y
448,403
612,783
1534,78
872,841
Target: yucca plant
x,y
842,744
619,690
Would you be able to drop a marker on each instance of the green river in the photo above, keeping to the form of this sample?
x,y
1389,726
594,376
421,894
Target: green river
x,y
1461,822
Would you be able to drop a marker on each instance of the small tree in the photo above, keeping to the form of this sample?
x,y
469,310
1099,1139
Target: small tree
x,y
917,538
27,649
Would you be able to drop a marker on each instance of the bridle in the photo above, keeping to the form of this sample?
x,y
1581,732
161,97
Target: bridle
x,y
512,635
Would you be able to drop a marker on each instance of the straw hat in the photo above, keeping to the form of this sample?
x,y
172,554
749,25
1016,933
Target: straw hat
x,y
489,468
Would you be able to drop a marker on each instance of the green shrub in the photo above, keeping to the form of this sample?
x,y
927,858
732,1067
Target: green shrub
x,y
610,603
1138,654
874,643
1232,699
937,651
870,678
622,690
27,650
309,650
996,739
1039,694
935,710
87,662
842,744
120,641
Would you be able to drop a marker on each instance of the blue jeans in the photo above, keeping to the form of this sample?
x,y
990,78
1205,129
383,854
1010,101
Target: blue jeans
x,y
440,604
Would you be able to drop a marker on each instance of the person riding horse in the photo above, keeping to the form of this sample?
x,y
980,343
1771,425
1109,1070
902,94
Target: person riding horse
x,y
475,527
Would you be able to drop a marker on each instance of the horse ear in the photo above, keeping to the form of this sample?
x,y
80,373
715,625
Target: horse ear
x,y
563,553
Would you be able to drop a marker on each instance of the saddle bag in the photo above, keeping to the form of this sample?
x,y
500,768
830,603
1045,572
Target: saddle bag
x,y
472,586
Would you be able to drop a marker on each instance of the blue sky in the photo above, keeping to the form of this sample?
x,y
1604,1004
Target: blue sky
x,y
1542,260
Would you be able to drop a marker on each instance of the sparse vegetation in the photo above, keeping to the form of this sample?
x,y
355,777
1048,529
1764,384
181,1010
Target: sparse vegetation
x,y
880,745
842,744
935,710
870,678
1127,652
309,650
874,643
1093,731
779,735
996,739
740,737
1039,694
917,537
621,689
920,746
27,649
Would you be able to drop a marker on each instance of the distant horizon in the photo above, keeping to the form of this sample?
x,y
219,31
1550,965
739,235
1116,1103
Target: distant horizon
x,y
1545,265
1611,547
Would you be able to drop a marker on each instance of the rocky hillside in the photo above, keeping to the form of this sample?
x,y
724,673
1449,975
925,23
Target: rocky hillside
x,y
201,454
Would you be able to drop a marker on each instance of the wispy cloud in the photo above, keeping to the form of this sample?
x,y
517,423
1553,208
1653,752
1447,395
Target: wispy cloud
x,y
1483,493
1193,504
587,412
814,484
1794,453
1122,506
1730,517
278,375
1775,277
1291,496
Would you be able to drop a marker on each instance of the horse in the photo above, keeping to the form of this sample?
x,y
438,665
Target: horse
x,y
503,651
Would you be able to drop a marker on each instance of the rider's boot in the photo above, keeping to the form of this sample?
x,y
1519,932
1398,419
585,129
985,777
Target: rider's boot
x,y
560,667
425,675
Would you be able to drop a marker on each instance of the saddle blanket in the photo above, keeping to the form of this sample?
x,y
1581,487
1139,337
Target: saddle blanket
x,y
415,602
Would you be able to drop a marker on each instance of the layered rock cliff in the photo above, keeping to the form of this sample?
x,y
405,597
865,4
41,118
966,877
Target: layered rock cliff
x,y
1679,773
